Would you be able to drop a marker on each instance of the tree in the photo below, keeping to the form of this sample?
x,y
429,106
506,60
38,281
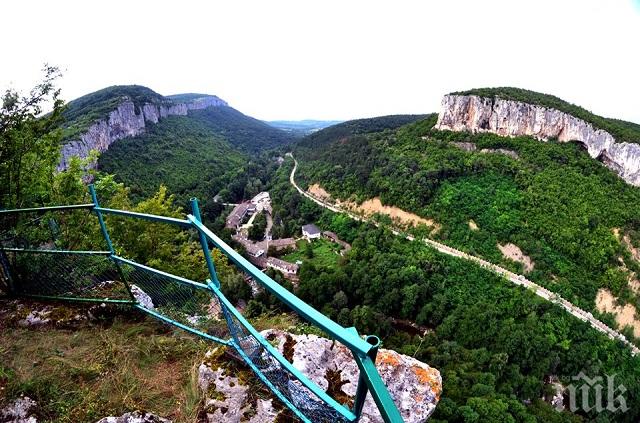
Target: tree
x,y
30,142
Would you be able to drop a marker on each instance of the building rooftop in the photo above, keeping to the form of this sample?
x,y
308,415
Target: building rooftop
x,y
282,242
275,262
311,229
238,213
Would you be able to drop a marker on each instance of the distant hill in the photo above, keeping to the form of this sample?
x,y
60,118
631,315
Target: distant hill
x,y
354,127
193,143
302,127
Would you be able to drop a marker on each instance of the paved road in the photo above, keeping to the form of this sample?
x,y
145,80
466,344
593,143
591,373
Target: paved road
x,y
511,276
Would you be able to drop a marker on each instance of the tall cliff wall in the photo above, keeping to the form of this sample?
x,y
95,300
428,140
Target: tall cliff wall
x,y
513,118
125,122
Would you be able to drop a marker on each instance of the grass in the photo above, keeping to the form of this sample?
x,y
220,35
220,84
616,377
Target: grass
x,y
325,253
124,361
85,373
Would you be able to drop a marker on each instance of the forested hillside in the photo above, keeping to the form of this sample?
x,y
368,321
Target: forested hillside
x,y
563,209
494,343
80,113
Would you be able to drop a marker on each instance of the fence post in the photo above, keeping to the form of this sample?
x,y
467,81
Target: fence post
x,y
362,389
195,209
107,238
6,273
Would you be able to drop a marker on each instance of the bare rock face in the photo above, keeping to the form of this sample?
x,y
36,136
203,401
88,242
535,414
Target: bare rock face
x,y
19,411
126,121
414,386
142,297
134,417
514,118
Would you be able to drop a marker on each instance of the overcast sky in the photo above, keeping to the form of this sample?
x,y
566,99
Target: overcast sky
x,y
331,59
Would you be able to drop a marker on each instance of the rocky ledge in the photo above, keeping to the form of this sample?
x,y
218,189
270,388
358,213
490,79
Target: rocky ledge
x,y
128,121
513,118
414,386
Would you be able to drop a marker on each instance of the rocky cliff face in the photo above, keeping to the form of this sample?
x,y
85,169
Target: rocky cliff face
x,y
125,122
414,386
513,118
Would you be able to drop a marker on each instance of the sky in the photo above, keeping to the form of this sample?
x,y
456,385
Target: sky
x,y
331,59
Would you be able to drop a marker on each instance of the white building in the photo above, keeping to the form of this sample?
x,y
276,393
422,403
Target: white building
x,y
283,266
311,231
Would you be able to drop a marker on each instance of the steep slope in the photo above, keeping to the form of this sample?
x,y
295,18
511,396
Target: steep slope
x,y
516,201
509,117
97,120
623,131
180,152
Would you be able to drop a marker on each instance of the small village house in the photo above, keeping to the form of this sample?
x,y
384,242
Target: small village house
x,y
311,231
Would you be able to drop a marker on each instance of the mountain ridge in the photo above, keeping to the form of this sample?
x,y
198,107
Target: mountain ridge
x,y
97,120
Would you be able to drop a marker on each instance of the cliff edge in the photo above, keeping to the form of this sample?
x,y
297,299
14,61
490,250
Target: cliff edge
x,y
514,118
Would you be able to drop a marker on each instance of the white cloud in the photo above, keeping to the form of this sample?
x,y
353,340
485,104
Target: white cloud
x,y
332,59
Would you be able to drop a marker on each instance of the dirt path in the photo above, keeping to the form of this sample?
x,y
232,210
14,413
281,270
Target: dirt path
x,y
513,277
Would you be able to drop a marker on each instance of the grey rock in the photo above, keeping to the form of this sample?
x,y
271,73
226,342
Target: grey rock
x,y
414,386
514,118
125,122
142,297
20,410
134,417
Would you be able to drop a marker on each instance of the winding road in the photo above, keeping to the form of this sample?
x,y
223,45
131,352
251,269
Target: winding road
x,y
509,275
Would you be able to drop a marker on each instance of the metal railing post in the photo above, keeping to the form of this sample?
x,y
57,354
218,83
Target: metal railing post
x,y
195,209
107,238
362,389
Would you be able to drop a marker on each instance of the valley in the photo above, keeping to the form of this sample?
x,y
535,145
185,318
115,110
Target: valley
x,y
424,237
605,300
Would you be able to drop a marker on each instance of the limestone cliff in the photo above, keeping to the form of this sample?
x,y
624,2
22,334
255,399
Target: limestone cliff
x,y
414,386
128,121
513,118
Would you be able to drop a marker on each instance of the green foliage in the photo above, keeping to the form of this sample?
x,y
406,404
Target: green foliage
x,y
241,131
555,202
622,131
29,143
256,232
320,253
358,126
178,151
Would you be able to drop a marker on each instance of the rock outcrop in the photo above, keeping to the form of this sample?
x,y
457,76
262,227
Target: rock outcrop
x,y
414,386
134,417
128,121
21,410
513,118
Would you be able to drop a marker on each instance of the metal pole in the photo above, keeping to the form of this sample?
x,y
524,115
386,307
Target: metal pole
x,y
362,389
105,234
103,227
195,209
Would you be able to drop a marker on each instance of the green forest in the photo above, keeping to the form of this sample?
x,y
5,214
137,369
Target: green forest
x,y
554,201
493,342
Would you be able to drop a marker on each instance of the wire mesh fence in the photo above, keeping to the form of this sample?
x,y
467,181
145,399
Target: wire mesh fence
x,y
61,254
58,274
176,299
265,362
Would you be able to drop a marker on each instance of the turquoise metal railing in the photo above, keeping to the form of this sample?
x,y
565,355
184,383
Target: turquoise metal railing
x,y
103,276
